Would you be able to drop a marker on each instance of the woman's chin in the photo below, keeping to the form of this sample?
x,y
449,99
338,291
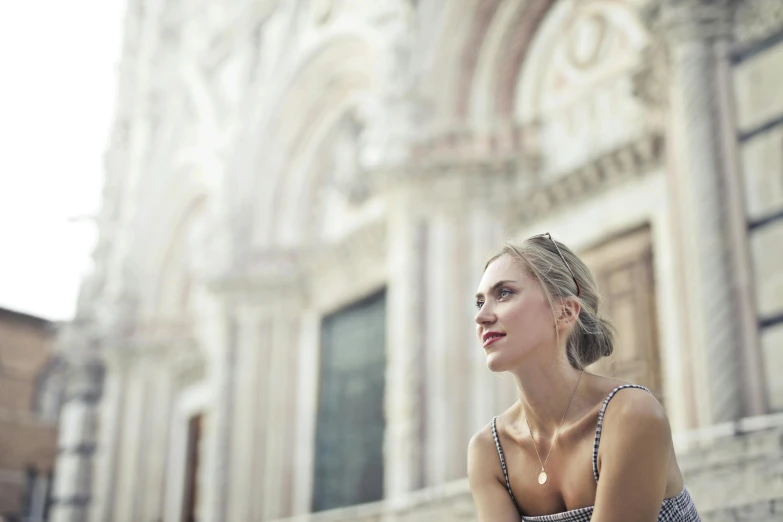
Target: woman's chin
x,y
496,362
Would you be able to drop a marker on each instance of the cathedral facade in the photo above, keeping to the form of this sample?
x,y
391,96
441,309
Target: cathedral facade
x,y
300,196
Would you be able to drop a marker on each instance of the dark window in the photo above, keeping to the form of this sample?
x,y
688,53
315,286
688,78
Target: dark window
x,y
350,422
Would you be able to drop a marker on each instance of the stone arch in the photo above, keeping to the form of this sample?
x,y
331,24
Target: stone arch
x,y
445,56
180,202
502,55
492,52
337,75
174,278
577,81
481,19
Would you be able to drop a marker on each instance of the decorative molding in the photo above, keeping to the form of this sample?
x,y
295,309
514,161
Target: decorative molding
x,y
626,162
513,183
461,142
687,20
651,80
757,20
466,168
342,271
265,274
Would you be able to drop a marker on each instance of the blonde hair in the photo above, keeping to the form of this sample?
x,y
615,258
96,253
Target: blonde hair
x,y
592,336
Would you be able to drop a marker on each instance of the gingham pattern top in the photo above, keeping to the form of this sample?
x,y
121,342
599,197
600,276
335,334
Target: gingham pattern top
x,y
675,509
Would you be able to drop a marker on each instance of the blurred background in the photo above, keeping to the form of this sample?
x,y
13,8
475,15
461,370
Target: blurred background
x,y
258,306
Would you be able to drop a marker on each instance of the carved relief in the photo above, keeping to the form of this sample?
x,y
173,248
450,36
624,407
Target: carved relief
x,y
587,42
578,82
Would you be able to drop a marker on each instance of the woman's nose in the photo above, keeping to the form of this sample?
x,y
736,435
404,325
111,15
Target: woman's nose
x,y
485,315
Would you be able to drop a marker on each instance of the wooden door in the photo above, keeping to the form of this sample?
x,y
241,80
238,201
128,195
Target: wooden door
x,y
623,268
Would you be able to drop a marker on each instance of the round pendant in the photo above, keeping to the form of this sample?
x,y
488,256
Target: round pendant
x,y
542,477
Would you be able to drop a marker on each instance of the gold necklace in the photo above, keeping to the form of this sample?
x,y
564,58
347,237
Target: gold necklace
x,y
542,476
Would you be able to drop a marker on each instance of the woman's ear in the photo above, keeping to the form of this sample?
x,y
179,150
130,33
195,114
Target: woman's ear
x,y
569,311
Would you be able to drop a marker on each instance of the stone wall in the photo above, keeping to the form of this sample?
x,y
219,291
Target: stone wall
x,y
757,76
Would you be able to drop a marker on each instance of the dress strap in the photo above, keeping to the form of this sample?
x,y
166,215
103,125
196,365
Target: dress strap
x,y
503,461
601,421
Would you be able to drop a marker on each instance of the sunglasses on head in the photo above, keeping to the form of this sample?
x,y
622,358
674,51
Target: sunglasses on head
x,y
548,235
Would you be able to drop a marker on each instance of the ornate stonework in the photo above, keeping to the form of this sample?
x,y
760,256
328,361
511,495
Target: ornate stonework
x,y
697,19
757,20
621,165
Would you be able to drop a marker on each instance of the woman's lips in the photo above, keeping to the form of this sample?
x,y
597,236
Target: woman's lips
x,y
493,339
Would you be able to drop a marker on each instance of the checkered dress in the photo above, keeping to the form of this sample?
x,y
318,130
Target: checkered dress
x,y
674,509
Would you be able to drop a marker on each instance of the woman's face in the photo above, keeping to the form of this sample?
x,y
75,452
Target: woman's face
x,y
514,319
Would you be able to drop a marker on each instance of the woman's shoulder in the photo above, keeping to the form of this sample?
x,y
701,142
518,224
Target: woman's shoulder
x,y
627,398
483,440
484,447
634,403
634,416
482,455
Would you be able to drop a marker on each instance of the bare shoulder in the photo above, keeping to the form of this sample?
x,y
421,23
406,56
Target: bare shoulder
x,y
635,416
492,501
634,403
635,458
482,454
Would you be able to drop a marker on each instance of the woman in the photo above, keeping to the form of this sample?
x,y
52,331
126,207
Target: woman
x,y
538,319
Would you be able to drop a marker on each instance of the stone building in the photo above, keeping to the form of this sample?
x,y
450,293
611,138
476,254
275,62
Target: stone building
x,y
30,398
299,197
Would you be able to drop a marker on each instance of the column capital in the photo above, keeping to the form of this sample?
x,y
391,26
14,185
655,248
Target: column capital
x,y
694,20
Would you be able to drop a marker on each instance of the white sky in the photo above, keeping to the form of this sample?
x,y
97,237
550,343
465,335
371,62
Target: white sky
x,y
58,61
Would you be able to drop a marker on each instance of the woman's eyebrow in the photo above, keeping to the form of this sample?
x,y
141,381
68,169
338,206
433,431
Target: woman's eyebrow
x,y
495,286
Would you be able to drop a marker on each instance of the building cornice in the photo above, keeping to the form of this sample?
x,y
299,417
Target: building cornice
x,y
631,160
757,20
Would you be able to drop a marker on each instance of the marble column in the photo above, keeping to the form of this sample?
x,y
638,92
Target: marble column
x,y
714,282
130,447
156,448
76,440
402,443
280,397
219,423
449,377
441,350
107,451
248,372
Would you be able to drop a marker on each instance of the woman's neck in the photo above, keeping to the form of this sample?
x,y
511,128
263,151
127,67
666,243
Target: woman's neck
x,y
545,389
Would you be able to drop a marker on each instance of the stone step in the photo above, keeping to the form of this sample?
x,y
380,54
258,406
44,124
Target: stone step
x,y
731,479
732,473
768,443
762,511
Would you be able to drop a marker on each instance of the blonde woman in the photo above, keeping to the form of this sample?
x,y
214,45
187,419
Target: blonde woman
x,y
575,447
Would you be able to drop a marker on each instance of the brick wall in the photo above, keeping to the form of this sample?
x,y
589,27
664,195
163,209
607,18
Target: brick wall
x,y
26,441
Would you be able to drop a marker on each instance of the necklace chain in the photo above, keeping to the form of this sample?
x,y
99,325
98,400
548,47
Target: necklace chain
x,y
556,432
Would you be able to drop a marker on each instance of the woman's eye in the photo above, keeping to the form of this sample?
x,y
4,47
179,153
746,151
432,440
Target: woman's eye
x,y
479,304
504,293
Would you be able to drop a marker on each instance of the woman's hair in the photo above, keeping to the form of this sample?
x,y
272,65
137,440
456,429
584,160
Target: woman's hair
x,y
592,336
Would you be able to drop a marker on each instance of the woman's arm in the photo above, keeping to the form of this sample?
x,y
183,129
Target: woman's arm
x,y
493,503
635,453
